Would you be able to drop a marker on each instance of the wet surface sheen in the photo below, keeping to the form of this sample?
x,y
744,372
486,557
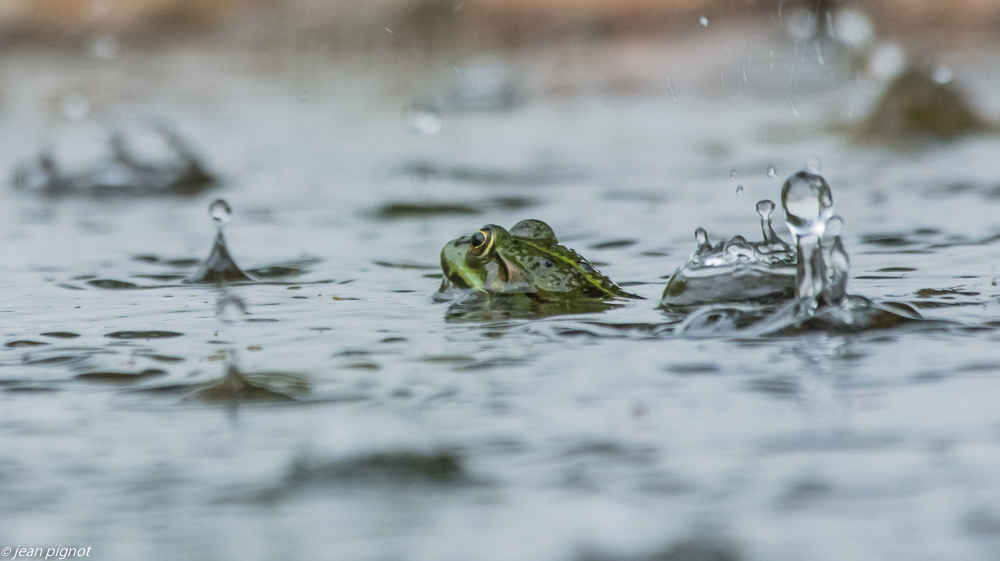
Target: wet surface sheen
x,y
329,407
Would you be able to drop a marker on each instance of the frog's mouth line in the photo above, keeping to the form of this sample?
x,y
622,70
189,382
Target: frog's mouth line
x,y
452,276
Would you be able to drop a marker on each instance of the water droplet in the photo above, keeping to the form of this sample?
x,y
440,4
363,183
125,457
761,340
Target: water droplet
x,y
701,236
887,60
853,28
793,107
808,204
802,24
105,47
765,208
220,212
732,175
424,119
230,309
75,106
739,190
943,74
814,164
704,21
771,172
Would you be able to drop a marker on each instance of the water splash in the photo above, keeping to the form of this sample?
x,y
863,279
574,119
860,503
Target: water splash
x,y
734,270
121,170
219,268
808,204
818,288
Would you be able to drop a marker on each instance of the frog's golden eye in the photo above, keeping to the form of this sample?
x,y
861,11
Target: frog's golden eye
x,y
481,242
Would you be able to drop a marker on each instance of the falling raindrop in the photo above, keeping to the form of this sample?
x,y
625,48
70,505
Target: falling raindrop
x,y
105,47
853,28
814,164
230,309
886,61
670,84
424,119
220,212
791,105
771,172
75,106
704,21
701,236
739,190
733,174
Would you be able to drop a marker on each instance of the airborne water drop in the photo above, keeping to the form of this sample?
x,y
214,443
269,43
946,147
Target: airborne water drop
x,y
220,212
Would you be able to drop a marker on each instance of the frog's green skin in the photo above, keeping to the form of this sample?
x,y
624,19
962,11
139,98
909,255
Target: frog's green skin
x,y
526,260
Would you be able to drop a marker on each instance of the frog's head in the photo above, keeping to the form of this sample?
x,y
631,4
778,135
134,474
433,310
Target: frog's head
x,y
527,259
477,261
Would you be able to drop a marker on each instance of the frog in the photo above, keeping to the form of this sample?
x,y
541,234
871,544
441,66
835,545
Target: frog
x,y
528,260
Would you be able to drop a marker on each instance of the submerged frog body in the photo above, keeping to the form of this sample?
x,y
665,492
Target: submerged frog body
x,y
525,260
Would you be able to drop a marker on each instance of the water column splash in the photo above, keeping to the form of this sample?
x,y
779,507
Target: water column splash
x,y
219,268
808,204
839,263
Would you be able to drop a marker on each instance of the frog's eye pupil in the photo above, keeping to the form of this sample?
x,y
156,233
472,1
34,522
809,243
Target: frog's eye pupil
x,y
478,239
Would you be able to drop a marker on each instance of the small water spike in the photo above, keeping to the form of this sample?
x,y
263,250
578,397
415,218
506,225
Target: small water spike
x,y
808,204
219,268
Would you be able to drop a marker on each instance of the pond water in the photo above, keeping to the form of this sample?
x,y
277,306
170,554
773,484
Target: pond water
x,y
384,427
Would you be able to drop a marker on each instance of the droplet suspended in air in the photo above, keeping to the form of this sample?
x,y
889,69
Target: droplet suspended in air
x,y
814,164
230,309
104,47
220,212
771,172
75,106
701,236
733,174
739,190
704,21
808,204
424,119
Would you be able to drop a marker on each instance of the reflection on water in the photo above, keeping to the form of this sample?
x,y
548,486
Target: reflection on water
x,y
333,408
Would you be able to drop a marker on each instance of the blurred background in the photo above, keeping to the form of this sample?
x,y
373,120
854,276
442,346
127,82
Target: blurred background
x,y
353,139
